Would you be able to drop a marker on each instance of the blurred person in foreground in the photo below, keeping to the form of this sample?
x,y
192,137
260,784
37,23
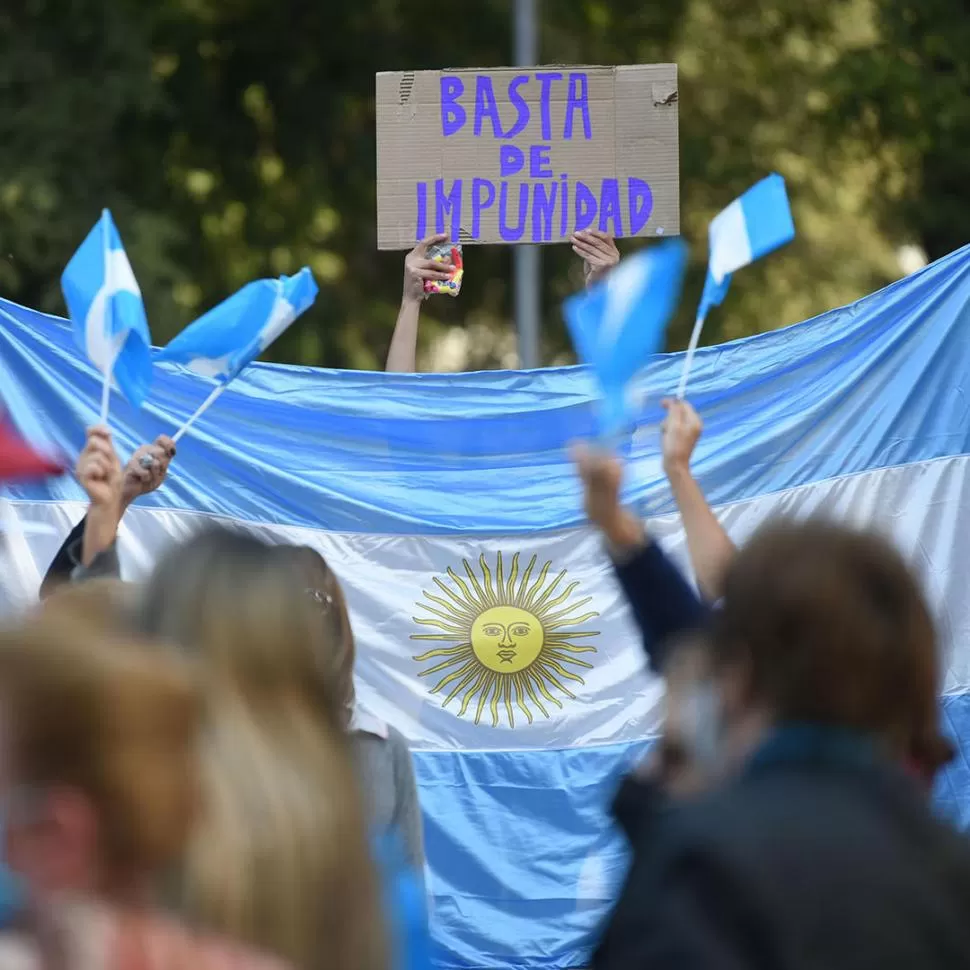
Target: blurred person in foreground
x,y
279,857
98,779
381,753
816,848
665,606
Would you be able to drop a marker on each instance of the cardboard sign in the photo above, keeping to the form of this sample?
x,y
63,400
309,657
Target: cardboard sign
x,y
527,155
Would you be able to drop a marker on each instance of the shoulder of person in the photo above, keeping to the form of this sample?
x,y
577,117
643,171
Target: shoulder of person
x,y
364,723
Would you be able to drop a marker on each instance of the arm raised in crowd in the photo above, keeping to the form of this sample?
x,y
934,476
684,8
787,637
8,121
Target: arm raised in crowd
x,y
598,252
99,473
664,604
711,551
138,478
402,356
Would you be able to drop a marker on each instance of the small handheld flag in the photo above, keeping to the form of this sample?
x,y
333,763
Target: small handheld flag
x,y
619,324
18,460
105,305
233,334
753,225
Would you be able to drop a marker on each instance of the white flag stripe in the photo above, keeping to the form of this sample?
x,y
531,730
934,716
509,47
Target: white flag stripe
x,y
385,577
102,345
623,287
729,242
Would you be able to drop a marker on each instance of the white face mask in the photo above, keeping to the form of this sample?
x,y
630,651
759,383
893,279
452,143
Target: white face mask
x,y
702,723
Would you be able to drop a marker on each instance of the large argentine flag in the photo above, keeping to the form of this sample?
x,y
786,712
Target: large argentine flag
x,y
489,627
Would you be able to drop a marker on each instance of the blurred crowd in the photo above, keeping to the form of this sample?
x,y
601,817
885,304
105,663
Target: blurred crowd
x,y
187,779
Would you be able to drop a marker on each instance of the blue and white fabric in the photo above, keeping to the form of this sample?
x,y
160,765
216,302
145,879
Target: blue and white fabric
x,y
489,629
619,324
233,334
753,225
105,305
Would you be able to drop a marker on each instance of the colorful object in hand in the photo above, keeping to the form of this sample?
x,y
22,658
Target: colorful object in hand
x,y
439,253
104,303
617,325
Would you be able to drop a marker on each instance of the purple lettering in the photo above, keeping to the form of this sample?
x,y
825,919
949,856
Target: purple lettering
x,y
505,231
521,105
486,106
545,78
577,99
479,203
447,204
610,207
539,165
585,207
564,211
543,206
641,204
452,113
511,160
422,210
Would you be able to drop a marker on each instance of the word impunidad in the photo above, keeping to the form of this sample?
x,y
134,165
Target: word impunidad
x,y
558,207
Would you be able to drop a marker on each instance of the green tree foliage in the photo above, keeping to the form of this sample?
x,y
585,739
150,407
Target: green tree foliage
x,y
235,138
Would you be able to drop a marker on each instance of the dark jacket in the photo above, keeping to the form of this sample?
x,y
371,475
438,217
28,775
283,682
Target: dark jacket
x,y
664,604
66,565
820,855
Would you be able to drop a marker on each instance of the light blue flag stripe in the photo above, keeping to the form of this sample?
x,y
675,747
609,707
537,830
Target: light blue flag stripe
x,y
619,324
105,305
231,335
856,389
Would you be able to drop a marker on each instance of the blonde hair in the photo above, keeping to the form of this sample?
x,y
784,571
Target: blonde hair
x,y
280,857
337,641
100,605
116,720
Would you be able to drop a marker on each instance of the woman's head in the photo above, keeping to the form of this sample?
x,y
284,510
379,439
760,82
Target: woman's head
x,y
99,605
824,624
242,605
99,754
337,640
279,858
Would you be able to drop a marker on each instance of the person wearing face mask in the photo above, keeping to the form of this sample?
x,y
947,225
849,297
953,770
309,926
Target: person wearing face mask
x,y
815,848
98,740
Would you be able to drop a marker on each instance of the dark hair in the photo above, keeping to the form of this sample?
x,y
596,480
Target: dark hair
x,y
831,627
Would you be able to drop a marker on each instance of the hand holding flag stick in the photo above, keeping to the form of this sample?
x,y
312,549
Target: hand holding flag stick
x,y
752,226
223,341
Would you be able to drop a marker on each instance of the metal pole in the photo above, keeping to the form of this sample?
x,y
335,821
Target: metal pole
x,y
527,258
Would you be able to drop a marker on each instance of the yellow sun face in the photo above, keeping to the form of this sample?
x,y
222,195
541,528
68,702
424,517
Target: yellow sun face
x,y
512,639
506,639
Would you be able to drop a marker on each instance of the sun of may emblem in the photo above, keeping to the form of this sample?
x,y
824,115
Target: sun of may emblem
x,y
513,639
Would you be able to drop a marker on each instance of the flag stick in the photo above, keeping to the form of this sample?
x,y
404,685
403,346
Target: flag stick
x,y
105,394
689,359
200,410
